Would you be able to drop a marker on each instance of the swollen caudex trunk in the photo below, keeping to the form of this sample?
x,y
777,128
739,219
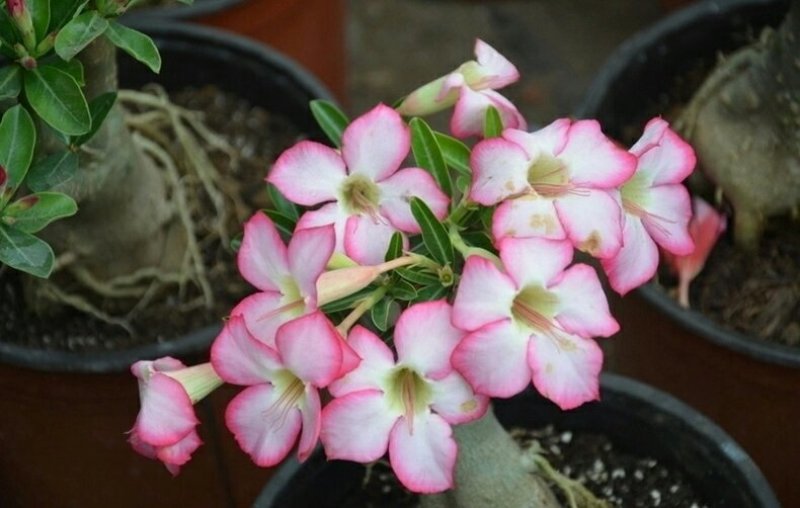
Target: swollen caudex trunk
x,y
491,471
744,124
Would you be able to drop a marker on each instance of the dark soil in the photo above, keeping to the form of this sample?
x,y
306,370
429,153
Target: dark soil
x,y
622,479
259,137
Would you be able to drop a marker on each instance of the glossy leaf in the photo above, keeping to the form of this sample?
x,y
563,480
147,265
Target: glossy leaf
x,y
32,213
403,290
136,44
74,68
10,82
434,234
40,14
17,143
492,123
98,109
284,224
25,252
281,204
430,293
417,276
348,302
61,11
58,100
428,154
456,153
384,314
395,249
52,171
79,33
331,120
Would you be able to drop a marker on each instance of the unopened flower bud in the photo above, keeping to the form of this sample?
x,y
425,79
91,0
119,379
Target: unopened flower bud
x,y
22,18
336,284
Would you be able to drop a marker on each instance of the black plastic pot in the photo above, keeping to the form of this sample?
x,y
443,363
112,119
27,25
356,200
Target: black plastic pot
x,y
64,415
636,417
749,386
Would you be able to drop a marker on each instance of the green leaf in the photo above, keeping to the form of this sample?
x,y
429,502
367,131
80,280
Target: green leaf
x,y
74,68
40,13
428,154
456,153
384,314
492,123
395,249
417,276
10,81
98,109
8,32
61,11
135,43
17,142
32,213
403,290
434,234
52,171
281,204
58,100
284,224
25,252
79,33
348,302
478,239
429,293
331,119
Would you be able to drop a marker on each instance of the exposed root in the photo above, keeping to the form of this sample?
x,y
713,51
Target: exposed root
x,y
79,303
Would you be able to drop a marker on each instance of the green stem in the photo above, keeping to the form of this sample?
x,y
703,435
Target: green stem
x,y
365,305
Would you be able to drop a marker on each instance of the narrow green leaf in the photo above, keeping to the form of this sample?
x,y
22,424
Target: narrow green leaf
x,y
25,252
98,109
58,100
417,276
331,119
61,11
284,224
32,213
395,249
478,239
434,234
52,171
281,204
10,81
79,33
456,153
403,290
40,13
429,293
8,31
384,314
348,302
17,142
428,154
135,43
492,123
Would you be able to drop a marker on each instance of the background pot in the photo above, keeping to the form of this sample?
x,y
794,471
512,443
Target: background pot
x,y
750,387
63,416
634,416
310,31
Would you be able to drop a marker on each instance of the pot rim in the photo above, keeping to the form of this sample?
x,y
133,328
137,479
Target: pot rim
x,y
196,341
618,387
198,9
615,65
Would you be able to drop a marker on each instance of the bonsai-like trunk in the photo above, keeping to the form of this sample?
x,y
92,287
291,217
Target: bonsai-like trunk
x,y
491,471
744,124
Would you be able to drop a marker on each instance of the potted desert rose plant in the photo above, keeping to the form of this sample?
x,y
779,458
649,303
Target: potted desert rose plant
x,y
412,293
728,343
65,341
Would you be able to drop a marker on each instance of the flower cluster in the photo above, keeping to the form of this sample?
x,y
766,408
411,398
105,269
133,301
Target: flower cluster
x,y
414,295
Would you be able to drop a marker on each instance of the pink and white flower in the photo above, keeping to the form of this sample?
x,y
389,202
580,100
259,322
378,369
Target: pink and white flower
x,y
406,406
471,88
535,321
657,207
362,192
281,401
558,182
165,425
286,276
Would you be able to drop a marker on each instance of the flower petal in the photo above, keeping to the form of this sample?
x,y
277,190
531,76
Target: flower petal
x,y
484,295
669,210
549,140
396,194
424,458
456,401
166,415
310,411
582,305
308,173
262,256
240,358
357,426
651,136
376,362
326,215
499,72
566,371
263,429
469,114
309,252
527,216
593,159
262,315
425,338
178,454
499,170
637,260
593,221
493,359
376,143
534,261
366,239
664,157
309,347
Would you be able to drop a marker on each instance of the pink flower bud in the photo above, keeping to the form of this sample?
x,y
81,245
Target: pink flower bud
x,y
15,7
343,282
3,176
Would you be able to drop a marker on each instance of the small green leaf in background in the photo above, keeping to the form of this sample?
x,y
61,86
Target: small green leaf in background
x,y
32,213
17,142
25,252
79,33
428,154
429,293
98,109
135,43
395,249
348,302
492,124
51,171
331,119
284,224
456,153
61,11
384,314
417,276
403,290
58,100
281,204
434,234
40,14
10,82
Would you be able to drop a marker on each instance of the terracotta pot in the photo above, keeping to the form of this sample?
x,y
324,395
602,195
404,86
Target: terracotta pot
x,y
750,387
310,31
64,415
636,418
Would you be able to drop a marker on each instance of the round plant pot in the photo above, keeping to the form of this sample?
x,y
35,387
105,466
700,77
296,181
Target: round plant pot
x,y
635,417
748,386
310,31
64,415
